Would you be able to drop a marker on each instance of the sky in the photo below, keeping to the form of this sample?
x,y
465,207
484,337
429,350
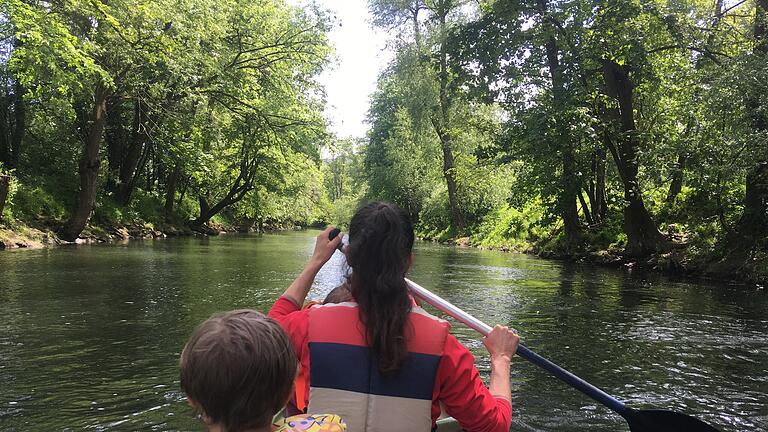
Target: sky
x,y
360,56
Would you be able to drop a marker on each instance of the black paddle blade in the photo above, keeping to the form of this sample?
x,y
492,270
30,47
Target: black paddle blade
x,y
664,421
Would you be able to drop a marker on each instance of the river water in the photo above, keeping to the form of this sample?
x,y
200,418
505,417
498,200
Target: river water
x,y
90,336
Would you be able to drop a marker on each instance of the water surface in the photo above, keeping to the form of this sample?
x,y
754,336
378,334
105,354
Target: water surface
x,y
90,336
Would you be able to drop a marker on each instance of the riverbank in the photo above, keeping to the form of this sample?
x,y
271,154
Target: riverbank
x,y
678,261
21,236
17,235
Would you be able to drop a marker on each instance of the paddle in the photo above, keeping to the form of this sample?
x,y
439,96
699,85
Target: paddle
x,y
639,420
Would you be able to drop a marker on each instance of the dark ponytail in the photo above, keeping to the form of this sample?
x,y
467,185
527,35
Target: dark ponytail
x,y
381,241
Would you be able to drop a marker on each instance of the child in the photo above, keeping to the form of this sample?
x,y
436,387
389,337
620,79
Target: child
x,y
340,294
237,370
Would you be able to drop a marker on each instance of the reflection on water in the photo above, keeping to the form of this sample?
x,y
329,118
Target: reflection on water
x,y
90,336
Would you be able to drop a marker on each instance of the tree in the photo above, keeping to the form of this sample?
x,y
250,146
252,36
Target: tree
x,y
749,235
502,56
260,107
441,104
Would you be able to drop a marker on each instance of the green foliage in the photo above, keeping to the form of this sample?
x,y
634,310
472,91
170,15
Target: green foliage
x,y
511,228
109,213
31,203
538,124
435,219
7,214
219,100
345,182
522,108
148,207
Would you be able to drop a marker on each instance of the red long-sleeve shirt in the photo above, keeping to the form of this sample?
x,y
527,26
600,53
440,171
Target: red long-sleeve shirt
x,y
457,385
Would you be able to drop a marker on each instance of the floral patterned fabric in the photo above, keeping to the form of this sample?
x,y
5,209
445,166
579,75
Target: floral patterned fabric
x,y
310,423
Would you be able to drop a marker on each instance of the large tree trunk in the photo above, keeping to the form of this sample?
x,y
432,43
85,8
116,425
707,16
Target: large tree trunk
x,y
569,185
443,129
89,169
643,236
207,211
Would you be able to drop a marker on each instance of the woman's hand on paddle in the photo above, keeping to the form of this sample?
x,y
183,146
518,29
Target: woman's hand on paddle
x,y
324,247
501,343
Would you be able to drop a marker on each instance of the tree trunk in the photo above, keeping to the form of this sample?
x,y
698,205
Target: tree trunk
x,y
135,158
443,129
5,185
237,191
600,206
585,208
643,236
19,124
170,191
205,213
116,138
676,186
569,185
150,162
5,149
596,186
183,192
450,179
88,169
235,194
416,28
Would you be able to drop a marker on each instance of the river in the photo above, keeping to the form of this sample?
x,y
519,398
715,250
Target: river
x,y
90,336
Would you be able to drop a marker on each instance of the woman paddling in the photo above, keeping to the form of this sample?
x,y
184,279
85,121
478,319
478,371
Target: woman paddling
x,y
381,362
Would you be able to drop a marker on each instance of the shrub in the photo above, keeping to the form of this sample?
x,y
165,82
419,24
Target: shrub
x,y
33,202
507,226
7,214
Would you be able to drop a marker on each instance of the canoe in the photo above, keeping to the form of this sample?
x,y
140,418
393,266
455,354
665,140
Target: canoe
x,y
448,424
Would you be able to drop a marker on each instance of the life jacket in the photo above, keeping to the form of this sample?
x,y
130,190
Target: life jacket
x,y
344,379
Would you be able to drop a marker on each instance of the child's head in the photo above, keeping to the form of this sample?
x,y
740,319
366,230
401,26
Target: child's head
x,y
340,294
238,369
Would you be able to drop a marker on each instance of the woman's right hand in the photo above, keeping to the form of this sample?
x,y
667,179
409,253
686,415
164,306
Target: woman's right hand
x,y
325,247
501,343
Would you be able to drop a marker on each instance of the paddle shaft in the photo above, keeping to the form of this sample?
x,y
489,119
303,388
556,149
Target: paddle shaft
x,y
483,328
